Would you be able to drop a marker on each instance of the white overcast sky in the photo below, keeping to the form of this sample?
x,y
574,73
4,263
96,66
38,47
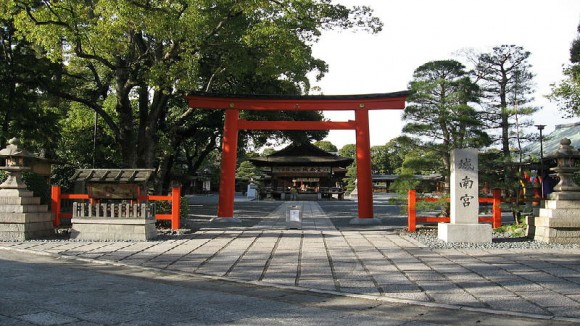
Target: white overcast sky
x,y
419,31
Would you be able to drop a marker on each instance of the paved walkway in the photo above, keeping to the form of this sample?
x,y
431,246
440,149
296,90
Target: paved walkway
x,y
370,264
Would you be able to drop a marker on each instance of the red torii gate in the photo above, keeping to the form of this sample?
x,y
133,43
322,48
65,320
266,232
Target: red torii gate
x,y
360,104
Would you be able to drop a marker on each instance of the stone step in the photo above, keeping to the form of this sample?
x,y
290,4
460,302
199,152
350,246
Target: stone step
x,y
16,193
26,227
26,235
25,217
11,208
557,222
559,213
19,200
557,204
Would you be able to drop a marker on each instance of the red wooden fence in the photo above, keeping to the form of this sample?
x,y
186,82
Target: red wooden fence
x,y
413,219
174,197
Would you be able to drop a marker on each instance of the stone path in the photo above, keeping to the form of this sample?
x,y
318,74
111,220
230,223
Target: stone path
x,y
373,264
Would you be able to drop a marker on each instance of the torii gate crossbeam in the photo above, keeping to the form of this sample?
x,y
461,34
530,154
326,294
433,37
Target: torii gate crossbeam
x,y
360,104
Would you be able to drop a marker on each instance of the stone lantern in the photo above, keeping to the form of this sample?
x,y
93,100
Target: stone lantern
x,y
15,166
22,217
565,157
559,221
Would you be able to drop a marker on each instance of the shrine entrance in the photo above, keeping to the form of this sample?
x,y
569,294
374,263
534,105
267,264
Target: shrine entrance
x,y
360,104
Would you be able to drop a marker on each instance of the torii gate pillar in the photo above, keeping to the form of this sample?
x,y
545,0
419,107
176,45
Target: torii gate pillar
x,y
363,170
228,168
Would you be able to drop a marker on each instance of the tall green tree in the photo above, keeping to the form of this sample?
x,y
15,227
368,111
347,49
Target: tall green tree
x,y
380,160
505,77
398,149
23,100
566,93
440,111
248,172
141,55
326,145
349,150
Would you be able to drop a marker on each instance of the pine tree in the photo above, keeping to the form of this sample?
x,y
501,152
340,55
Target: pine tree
x,y
506,80
440,111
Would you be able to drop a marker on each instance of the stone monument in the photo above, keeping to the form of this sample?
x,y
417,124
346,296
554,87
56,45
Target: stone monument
x,y
464,226
22,217
559,221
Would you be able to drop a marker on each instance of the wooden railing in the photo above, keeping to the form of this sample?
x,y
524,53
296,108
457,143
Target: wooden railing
x,y
413,219
112,210
174,197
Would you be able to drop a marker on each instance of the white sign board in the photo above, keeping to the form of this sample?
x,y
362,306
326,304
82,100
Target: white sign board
x,y
251,191
294,215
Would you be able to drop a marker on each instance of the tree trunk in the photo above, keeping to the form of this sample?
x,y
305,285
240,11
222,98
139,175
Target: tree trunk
x,y
126,136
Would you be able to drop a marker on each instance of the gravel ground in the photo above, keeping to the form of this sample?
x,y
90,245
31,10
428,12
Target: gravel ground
x,y
428,237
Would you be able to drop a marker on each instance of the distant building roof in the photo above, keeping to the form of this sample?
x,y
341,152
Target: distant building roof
x,y
551,142
301,154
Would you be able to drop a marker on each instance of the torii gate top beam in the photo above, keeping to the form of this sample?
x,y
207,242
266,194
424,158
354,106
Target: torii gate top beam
x,y
382,101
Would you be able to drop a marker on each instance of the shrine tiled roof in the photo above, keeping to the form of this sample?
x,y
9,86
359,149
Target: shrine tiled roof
x,y
112,175
551,142
302,154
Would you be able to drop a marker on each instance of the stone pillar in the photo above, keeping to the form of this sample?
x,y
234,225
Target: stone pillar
x,y
464,226
559,220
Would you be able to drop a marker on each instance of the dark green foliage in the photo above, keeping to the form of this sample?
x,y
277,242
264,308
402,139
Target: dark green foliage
x,y
440,113
130,63
506,80
566,93
24,76
326,145
349,150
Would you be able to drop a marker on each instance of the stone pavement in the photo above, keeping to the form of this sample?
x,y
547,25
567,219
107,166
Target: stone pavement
x,y
46,290
364,264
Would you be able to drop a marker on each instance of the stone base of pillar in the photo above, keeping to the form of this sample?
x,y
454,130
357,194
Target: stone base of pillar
x,y
559,222
113,229
225,220
365,221
472,233
22,217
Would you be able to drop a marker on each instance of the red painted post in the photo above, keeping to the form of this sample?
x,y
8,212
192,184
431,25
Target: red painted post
x,y
228,164
55,205
363,164
412,210
496,210
175,207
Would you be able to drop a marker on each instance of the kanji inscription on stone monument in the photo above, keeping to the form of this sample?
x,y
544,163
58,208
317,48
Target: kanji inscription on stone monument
x,y
464,186
464,226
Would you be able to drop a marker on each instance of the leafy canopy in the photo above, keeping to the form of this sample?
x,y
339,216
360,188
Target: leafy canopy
x,y
566,93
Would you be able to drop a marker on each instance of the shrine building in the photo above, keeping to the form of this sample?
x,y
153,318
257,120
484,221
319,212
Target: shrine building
x,y
315,173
